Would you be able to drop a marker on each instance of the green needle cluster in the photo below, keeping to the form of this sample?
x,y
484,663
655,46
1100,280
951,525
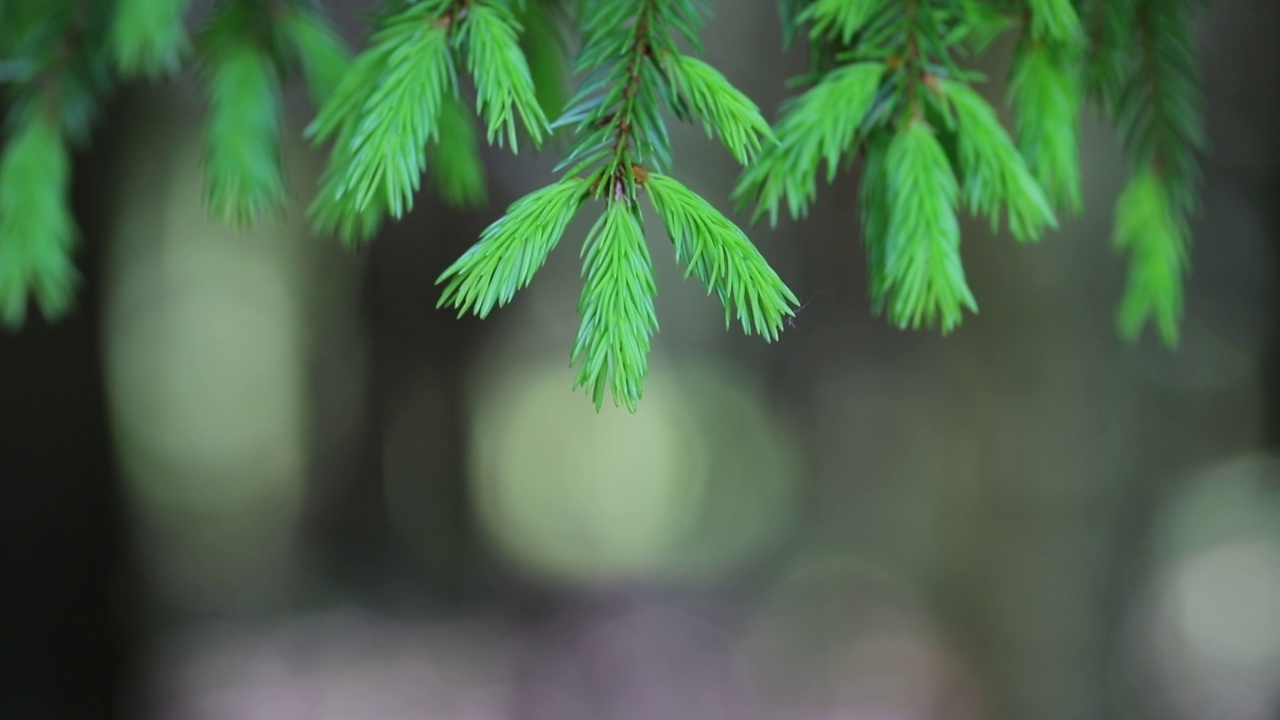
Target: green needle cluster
x,y
634,70
887,95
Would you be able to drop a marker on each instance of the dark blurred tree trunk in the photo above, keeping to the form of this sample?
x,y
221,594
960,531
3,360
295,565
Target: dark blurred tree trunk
x,y
410,339
71,593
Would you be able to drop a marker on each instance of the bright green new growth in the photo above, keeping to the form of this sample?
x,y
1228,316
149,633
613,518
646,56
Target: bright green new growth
x,y
839,18
388,109
1149,226
512,249
884,95
705,94
242,156
1055,21
886,70
896,92
995,175
618,316
720,255
634,68
321,55
1157,109
147,36
924,279
819,126
386,153
1045,94
36,227
504,85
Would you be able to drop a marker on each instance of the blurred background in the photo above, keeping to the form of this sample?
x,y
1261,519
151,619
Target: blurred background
x,y
258,476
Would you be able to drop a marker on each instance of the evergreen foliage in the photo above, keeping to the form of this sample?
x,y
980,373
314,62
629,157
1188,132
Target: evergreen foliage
x,y
886,94
634,69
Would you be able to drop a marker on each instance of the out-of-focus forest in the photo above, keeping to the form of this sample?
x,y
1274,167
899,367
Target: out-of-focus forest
x,y
255,475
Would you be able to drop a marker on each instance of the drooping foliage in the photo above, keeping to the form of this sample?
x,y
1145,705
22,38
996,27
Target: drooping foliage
x,y
888,94
634,71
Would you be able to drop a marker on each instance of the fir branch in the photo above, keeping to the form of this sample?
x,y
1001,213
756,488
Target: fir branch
x,y
633,70
320,52
924,278
633,131
50,108
884,81
504,86
721,256
37,230
617,308
1159,117
386,152
874,203
705,94
387,111
148,37
511,250
1110,28
819,126
1045,93
994,173
880,95
243,167
1055,21
1151,228
334,211
1159,113
840,19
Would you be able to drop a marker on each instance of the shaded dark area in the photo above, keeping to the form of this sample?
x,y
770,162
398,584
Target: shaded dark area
x,y
74,606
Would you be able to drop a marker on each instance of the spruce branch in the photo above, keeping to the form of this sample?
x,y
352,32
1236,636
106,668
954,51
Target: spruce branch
x,y
386,112
243,166
1045,92
148,37
37,230
617,308
633,69
334,210
246,54
885,93
52,104
839,19
512,249
505,86
722,257
1111,29
1152,229
1055,21
820,126
1158,112
313,43
544,45
385,154
704,94
924,279
995,175
894,87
